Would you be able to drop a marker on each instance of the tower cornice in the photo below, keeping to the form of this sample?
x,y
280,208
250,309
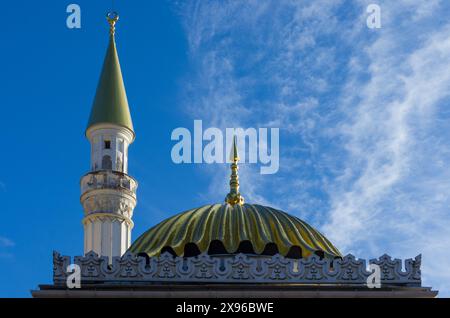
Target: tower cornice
x,y
110,126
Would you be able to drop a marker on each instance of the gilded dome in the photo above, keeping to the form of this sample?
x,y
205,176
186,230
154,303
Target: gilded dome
x,y
226,229
234,227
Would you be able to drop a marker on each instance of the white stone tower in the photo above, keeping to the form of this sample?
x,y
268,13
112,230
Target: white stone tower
x,y
108,193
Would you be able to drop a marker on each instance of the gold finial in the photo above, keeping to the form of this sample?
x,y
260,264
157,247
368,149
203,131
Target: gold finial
x,y
234,197
112,18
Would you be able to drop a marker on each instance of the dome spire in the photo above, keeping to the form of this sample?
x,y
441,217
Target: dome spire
x,y
234,197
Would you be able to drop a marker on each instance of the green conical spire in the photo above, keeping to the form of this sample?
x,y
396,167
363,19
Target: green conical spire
x,y
110,103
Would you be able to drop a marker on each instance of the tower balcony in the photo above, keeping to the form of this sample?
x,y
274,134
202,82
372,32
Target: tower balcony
x,y
107,179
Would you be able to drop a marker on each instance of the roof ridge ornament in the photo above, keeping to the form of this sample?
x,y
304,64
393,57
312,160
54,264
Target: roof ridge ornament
x,y
234,197
112,18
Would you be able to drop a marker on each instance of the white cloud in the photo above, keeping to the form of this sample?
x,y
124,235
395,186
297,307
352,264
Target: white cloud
x,y
394,190
220,91
363,115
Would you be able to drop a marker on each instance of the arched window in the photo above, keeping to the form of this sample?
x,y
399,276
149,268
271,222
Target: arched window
x,y
106,163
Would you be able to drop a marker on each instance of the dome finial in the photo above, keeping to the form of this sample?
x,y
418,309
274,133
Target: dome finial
x,y
112,18
234,197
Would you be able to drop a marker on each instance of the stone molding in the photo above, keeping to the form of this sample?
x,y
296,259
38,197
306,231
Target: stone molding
x,y
114,203
105,179
238,268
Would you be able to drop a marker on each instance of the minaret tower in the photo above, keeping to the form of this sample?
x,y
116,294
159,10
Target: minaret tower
x,y
108,193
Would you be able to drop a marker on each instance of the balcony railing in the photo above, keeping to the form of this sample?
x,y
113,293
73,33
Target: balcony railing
x,y
106,179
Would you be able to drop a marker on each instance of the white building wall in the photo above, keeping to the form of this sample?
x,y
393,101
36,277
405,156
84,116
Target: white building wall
x,y
106,238
116,238
97,237
119,139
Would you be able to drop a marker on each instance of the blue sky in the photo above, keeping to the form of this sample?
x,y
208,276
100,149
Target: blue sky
x,y
363,117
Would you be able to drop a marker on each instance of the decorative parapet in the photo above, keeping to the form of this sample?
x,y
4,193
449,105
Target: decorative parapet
x,y
238,268
105,179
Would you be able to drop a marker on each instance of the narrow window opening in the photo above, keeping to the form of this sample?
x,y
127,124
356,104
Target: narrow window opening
x,y
107,144
106,163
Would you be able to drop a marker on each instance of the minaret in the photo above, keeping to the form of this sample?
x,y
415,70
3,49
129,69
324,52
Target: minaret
x,y
234,197
108,193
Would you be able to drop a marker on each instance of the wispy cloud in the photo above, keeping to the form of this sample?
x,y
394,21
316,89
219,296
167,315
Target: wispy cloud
x,y
363,115
248,60
394,194
6,242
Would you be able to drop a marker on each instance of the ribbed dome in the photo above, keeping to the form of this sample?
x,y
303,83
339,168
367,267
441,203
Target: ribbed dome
x,y
234,228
